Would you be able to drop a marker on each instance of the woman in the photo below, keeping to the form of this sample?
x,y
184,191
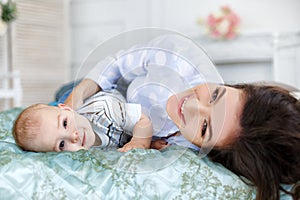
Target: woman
x,y
265,145
252,130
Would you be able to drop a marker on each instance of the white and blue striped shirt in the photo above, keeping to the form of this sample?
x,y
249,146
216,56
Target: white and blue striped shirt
x,y
111,118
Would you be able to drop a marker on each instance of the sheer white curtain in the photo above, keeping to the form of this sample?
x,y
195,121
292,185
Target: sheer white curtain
x,y
40,47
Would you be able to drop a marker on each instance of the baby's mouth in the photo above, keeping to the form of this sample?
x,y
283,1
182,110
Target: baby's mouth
x,y
83,139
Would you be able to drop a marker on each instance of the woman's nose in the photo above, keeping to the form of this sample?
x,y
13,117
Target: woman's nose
x,y
197,107
203,109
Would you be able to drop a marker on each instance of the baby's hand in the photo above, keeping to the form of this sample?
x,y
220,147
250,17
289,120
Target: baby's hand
x,y
133,145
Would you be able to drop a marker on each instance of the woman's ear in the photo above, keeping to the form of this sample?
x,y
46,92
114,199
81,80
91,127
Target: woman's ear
x,y
64,106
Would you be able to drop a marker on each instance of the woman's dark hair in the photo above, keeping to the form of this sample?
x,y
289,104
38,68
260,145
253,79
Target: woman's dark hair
x,y
267,151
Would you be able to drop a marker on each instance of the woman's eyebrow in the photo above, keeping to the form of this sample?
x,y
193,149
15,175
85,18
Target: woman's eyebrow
x,y
221,94
218,99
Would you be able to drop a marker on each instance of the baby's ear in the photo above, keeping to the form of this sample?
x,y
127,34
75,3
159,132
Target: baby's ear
x,y
64,106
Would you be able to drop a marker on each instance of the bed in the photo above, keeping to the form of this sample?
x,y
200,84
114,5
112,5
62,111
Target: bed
x,y
175,173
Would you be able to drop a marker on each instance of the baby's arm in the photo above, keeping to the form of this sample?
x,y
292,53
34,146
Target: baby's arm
x,y
142,135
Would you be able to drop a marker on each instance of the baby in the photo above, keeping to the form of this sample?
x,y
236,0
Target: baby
x,y
104,120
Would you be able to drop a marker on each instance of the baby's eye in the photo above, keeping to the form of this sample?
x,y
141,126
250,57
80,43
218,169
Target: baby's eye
x,y
214,95
204,127
61,145
65,123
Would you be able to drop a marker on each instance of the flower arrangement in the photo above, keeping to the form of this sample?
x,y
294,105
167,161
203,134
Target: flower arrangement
x,y
8,13
223,24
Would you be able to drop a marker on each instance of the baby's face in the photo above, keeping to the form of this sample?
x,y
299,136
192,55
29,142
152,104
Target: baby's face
x,y
62,129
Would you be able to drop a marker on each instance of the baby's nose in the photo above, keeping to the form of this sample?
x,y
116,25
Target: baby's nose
x,y
74,138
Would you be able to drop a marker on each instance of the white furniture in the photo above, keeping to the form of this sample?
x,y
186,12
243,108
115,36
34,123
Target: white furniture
x,y
10,84
287,58
40,52
11,90
257,57
247,58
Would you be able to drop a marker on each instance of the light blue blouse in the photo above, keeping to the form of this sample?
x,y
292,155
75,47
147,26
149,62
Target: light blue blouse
x,y
165,66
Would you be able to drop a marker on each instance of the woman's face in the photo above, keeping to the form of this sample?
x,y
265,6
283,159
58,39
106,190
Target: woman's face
x,y
207,115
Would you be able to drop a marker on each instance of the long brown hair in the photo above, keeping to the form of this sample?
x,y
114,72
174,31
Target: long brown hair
x,y
267,151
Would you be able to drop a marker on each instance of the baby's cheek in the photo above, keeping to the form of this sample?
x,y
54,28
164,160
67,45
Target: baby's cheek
x,y
80,121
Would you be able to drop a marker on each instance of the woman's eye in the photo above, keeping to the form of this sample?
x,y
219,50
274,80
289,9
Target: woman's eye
x,y
214,95
204,127
61,145
65,123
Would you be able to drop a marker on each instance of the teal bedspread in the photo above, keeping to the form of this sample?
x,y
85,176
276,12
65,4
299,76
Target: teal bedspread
x,y
175,173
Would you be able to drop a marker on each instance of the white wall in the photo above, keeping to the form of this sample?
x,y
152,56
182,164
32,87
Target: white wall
x,y
256,15
108,17
94,21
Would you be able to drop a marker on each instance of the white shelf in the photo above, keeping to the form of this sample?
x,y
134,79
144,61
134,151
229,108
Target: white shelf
x,y
243,49
247,58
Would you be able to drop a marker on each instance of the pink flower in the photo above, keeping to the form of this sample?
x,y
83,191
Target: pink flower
x,y
223,23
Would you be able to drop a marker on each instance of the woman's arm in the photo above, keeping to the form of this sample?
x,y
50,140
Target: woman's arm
x,y
165,51
136,62
83,90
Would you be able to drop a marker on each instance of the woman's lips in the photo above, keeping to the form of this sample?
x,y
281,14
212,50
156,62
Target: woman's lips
x,y
180,109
